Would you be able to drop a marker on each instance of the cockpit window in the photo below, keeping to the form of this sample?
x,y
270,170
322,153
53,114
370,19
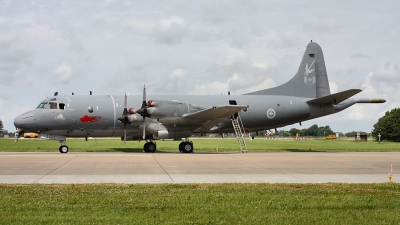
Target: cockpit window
x,y
51,105
48,105
41,105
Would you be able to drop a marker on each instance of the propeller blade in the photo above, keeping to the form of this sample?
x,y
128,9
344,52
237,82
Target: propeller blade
x,y
124,133
144,128
144,104
125,105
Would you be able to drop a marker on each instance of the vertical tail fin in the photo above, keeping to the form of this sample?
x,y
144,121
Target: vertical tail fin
x,y
310,81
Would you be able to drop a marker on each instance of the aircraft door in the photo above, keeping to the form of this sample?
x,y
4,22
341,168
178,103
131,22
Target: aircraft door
x,y
233,102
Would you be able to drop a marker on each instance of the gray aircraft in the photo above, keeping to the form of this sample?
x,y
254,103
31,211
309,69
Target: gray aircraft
x,y
306,96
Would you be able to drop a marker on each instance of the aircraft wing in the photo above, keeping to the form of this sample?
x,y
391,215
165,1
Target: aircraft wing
x,y
335,98
210,117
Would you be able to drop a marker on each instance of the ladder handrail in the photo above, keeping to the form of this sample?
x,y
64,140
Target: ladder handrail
x,y
239,131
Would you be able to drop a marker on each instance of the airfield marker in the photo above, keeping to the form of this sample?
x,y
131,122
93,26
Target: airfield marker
x,y
391,174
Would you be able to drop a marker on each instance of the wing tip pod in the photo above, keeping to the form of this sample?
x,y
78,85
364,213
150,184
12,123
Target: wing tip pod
x,y
372,100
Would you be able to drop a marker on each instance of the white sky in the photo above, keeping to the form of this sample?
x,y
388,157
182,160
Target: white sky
x,y
196,47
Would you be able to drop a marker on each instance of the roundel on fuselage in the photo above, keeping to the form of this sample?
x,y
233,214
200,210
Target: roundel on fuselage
x,y
271,113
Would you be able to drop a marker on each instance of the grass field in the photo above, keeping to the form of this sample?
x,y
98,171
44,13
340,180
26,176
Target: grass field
x,y
200,204
200,145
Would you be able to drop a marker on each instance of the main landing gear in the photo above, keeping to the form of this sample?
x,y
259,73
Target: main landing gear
x,y
184,147
63,148
149,147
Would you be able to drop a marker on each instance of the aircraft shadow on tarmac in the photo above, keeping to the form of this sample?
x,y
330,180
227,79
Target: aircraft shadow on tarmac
x,y
302,150
140,150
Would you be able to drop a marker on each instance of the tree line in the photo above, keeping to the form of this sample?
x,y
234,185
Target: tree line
x,y
314,131
388,126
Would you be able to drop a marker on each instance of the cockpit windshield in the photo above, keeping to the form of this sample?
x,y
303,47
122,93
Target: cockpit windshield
x,y
50,105
41,105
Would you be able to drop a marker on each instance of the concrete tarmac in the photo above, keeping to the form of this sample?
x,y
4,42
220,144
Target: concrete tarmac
x,y
286,167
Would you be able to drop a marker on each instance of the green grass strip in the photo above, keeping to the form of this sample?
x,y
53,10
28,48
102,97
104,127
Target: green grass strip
x,y
200,204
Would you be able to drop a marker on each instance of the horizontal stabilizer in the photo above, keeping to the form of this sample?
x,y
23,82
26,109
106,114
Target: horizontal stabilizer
x,y
335,98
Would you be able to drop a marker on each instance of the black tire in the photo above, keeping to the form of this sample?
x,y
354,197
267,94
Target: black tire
x,y
63,149
149,147
187,147
181,146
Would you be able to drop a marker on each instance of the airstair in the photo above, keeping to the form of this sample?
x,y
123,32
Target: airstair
x,y
239,131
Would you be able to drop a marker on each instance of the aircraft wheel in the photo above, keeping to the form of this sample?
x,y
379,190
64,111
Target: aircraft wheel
x,y
150,147
63,149
181,146
187,147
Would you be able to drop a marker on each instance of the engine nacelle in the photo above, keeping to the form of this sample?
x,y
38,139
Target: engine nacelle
x,y
161,109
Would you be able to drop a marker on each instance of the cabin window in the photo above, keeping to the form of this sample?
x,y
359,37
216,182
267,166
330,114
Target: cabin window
x,y
61,106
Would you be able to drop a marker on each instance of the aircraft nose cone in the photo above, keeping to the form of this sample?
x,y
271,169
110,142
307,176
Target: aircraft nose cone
x,y
25,121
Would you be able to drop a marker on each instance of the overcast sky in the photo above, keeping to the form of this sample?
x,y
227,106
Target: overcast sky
x,y
197,47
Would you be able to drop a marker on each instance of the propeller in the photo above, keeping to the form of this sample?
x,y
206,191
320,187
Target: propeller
x,y
126,118
144,106
145,111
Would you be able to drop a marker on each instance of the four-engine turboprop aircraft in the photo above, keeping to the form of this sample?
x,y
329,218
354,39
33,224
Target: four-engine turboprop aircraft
x,y
306,96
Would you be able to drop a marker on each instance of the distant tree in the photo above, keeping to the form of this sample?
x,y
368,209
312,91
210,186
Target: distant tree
x,y
283,133
313,130
354,133
324,131
294,131
1,128
388,126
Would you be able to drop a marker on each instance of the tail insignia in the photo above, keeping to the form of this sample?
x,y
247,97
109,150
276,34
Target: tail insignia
x,y
308,71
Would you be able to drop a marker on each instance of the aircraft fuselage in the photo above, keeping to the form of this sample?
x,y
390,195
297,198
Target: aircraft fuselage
x,y
96,115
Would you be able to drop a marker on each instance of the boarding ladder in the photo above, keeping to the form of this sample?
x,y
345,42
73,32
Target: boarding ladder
x,y
239,131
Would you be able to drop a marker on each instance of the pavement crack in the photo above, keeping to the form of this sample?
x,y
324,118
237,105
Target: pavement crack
x,y
54,169
163,169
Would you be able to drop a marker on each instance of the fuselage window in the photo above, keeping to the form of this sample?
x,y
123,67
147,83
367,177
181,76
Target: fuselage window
x,y
61,106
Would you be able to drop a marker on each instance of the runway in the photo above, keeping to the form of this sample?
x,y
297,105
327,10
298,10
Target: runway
x,y
287,167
